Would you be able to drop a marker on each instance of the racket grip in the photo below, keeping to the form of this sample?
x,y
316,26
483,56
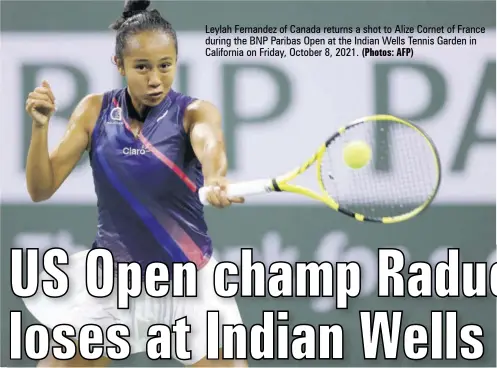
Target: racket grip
x,y
243,189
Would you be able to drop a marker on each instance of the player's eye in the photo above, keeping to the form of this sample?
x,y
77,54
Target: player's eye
x,y
164,66
141,67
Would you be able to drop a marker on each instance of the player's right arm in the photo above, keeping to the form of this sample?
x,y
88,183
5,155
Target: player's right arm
x,y
45,172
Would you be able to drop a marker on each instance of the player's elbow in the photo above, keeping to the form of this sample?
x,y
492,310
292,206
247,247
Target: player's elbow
x,y
37,195
39,187
36,198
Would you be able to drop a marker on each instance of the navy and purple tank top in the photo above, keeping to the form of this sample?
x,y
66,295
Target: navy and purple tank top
x,y
147,185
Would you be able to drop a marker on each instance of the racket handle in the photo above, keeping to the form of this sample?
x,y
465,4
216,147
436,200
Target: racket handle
x,y
243,189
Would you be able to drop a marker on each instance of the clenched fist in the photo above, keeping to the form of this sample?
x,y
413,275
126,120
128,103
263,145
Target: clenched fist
x,y
218,197
40,104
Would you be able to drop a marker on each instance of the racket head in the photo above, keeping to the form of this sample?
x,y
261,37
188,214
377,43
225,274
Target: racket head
x,y
283,183
373,193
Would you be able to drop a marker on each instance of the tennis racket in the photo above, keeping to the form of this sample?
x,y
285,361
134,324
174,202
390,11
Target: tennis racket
x,y
400,180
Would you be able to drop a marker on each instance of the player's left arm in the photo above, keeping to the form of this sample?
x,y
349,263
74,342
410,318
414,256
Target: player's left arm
x,y
203,123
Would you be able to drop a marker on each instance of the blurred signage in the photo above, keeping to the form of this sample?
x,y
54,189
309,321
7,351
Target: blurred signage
x,y
276,111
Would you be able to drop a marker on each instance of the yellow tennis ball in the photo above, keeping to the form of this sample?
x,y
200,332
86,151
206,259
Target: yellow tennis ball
x,y
357,154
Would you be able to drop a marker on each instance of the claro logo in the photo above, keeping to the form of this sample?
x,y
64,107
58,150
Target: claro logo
x,y
131,151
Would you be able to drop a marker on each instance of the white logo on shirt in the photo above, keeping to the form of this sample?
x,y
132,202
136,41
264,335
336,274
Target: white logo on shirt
x,y
116,113
163,115
116,116
131,151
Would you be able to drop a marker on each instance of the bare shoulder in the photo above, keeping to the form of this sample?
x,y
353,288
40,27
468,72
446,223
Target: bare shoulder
x,y
93,99
90,105
201,111
85,115
87,110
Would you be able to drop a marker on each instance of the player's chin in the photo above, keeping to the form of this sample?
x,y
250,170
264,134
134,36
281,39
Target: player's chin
x,y
152,101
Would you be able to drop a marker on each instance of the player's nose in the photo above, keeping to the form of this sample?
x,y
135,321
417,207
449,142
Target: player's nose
x,y
154,80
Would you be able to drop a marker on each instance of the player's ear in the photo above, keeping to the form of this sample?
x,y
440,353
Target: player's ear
x,y
118,62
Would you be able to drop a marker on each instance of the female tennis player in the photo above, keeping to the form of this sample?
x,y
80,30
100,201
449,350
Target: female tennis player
x,y
150,149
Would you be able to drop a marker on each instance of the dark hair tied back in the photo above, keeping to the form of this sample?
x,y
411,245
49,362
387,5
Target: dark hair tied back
x,y
136,18
131,8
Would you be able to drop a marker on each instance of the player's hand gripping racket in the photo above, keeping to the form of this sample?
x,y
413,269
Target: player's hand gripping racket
x,y
378,168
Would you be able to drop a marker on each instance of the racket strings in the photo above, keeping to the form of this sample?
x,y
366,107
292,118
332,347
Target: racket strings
x,y
401,175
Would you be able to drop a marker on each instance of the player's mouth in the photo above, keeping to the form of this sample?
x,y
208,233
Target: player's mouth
x,y
154,95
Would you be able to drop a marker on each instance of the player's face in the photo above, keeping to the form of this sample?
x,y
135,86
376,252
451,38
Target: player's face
x,y
149,66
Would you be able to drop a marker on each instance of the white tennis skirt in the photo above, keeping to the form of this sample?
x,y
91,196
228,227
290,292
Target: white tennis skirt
x,y
77,308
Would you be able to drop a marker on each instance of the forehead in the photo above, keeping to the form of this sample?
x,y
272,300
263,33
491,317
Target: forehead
x,y
150,45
